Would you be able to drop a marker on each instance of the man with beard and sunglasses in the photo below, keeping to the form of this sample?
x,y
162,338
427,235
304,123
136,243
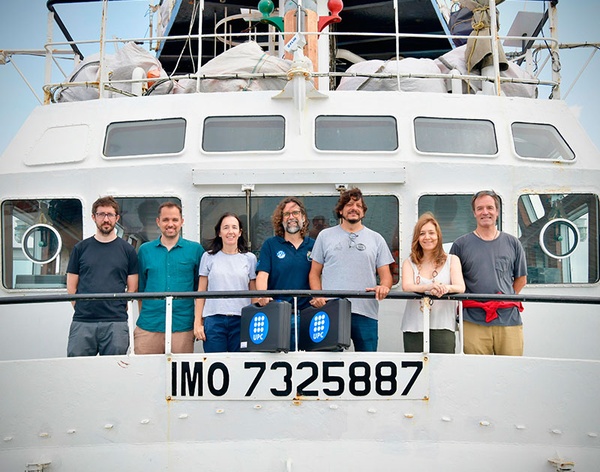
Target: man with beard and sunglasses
x,y
285,259
350,256
103,263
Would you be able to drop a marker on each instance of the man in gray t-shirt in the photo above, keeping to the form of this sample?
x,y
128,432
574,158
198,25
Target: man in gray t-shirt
x,y
350,256
492,262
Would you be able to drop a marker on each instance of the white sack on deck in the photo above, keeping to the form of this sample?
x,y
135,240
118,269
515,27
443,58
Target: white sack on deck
x,y
404,66
119,66
456,59
164,16
243,59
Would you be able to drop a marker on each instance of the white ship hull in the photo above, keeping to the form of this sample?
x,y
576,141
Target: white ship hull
x,y
481,413
388,410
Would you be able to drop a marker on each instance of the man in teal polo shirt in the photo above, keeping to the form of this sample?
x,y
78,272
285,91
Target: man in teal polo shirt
x,y
167,264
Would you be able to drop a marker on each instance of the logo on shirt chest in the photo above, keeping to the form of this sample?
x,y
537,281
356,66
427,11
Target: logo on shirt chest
x,y
281,254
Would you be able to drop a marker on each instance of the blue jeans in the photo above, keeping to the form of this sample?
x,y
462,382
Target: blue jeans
x,y
363,332
222,333
107,338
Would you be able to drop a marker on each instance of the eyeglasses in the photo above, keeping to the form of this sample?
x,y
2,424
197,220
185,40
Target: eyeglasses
x,y
352,241
295,213
110,216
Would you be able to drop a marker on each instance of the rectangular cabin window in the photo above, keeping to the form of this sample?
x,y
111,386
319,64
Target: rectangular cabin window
x,y
540,141
243,133
142,138
382,216
356,133
37,239
560,235
453,213
137,223
455,136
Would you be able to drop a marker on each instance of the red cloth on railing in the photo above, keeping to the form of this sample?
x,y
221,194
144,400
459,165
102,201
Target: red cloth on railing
x,y
491,307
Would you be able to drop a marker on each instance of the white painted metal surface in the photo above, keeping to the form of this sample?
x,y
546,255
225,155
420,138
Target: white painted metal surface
x,y
463,413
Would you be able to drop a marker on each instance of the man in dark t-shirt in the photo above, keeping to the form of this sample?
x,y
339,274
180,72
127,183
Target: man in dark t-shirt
x,y
103,263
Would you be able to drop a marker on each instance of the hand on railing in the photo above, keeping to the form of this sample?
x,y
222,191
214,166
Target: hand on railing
x,y
318,302
262,301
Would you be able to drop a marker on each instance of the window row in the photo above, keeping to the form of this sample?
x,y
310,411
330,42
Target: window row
x,y
335,133
558,231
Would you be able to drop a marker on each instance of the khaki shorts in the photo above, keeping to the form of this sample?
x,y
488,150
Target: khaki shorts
x,y
499,340
147,342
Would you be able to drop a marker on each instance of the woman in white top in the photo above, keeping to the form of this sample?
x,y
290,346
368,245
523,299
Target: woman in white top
x,y
429,270
227,265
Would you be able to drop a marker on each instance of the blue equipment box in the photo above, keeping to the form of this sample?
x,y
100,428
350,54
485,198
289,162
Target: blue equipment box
x,y
326,328
266,328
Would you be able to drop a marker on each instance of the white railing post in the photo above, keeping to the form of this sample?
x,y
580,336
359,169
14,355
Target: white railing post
x,y
296,323
426,312
168,325
461,333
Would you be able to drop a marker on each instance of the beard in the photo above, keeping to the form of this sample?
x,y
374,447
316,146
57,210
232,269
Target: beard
x,y
352,219
106,230
293,227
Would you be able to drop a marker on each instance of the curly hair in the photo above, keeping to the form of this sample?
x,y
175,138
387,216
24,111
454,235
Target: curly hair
x,y
416,251
277,217
352,194
216,244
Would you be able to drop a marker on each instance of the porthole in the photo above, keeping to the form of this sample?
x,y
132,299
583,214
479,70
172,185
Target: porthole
x,y
41,244
559,238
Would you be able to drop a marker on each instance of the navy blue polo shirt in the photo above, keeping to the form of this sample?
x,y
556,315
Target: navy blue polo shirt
x,y
287,266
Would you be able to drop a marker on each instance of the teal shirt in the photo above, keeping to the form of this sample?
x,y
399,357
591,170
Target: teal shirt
x,y
161,270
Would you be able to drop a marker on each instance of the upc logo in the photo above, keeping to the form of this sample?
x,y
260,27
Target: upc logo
x,y
319,327
259,328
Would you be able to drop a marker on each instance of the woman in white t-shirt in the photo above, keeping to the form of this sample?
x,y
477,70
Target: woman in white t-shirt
x,y
429,270
227,265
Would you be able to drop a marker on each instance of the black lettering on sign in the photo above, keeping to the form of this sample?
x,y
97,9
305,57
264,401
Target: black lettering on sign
x,y
222,368
261,366
385,378
303,387
189,379
328,377
360,379
287,379
418,365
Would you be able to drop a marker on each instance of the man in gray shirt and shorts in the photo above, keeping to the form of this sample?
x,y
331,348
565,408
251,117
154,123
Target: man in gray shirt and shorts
x,y
492,262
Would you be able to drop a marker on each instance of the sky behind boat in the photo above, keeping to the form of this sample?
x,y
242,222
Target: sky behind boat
x,y
23,25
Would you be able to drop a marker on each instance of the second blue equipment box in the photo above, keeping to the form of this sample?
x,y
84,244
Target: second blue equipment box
x,y
326,328
266,328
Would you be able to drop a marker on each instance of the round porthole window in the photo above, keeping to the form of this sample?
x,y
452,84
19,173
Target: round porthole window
x,y
559,238
41,244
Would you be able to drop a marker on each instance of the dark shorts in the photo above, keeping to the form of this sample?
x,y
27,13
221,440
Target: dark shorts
x,y
440,341
107,338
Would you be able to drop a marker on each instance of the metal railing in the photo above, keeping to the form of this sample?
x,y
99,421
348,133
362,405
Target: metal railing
x,y
295,294
105,83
